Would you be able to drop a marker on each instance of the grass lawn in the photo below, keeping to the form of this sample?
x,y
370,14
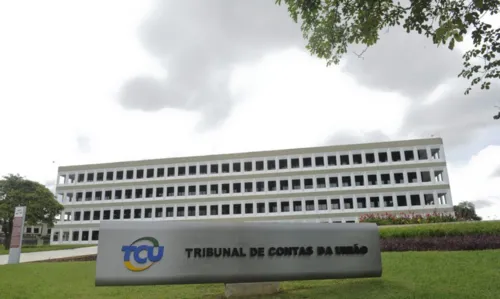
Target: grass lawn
x,y
433,275
45,248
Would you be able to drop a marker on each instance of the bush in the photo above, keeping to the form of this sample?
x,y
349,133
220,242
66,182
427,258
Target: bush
x,y
406,218
449,243
441,230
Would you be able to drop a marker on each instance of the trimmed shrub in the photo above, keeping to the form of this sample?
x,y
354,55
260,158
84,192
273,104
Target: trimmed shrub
x,y
406,218
449,243
441,230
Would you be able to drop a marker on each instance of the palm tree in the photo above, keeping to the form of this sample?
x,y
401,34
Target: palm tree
x,y
466,210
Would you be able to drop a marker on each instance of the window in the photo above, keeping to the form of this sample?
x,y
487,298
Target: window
x,y
259,165
171,171
248,166
428,199
283,163
192,170
109,176
97,215
260,186
383,157
137,213
150,173
214,189
95,235
426,176
271,164
422,154
374,202
386,178
203,169
332,160
138,193
335,202
214,210
139,174
170,191
319,161
285,206
225,167
320,183
149,192
248,208
130,174
271,186
118,194
214,168
388,201
159,191
90,177
225,188
297,206
273,207
412,177
348,204
236,187
322,204
86,216
295,162
361,202
119,175
415,199
409,156
181,190
160,172
158,212
309,205
333,182
359,180
346,181
236,167
401,200
117,214
283,185
106,215
191,211
308,184
203,189
261,207
357,159
306,162
399,178
344,160
169,212
202,210
127,213
192,190
248,187
181,170
370,158
237,209
372,179
296,184
180,211
396,156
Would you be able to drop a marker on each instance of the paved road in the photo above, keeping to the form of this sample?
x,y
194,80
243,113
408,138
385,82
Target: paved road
x,y
47,255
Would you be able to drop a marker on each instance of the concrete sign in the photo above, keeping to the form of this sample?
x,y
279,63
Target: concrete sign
x,y
179,252
16,240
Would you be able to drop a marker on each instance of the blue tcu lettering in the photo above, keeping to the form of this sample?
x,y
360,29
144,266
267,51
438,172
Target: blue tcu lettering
x,y
137,251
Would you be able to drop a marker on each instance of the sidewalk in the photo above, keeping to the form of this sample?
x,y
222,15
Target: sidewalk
x,y
47,255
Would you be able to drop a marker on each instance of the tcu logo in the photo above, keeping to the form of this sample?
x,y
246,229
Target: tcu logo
x,y
142,257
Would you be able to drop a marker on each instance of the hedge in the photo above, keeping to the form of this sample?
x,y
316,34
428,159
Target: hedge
x,y
441,229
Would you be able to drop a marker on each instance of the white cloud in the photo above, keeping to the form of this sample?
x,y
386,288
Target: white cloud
x,y
474,181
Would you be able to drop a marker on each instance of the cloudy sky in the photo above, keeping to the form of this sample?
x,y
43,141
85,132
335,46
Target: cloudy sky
x,y
99,81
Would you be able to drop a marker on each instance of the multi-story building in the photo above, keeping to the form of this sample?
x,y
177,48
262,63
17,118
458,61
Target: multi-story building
x,y
318,184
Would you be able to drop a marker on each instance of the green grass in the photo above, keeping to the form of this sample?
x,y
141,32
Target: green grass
x,y
440,229
411,275
26,249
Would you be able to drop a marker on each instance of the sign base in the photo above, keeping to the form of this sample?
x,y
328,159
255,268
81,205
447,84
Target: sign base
x,y
233,290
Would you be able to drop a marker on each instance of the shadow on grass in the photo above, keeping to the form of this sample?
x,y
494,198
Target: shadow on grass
x,y
331,289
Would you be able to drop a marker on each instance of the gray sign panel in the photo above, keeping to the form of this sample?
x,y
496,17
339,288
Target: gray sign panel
x,y
147,253
16,241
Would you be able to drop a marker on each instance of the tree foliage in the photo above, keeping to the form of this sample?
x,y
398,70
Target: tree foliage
x,y
330,26
41,204
466,211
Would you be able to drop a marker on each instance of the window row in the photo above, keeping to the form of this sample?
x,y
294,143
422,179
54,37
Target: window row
x,y
269,185
269,164
264,207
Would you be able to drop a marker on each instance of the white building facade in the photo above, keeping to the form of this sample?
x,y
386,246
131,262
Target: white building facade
x,y
317,184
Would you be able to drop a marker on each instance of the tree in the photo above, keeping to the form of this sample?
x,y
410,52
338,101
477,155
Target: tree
x,y
331,25
466,211
41,204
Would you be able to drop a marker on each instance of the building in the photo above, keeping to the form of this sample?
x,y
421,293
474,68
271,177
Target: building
x,y
318,184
